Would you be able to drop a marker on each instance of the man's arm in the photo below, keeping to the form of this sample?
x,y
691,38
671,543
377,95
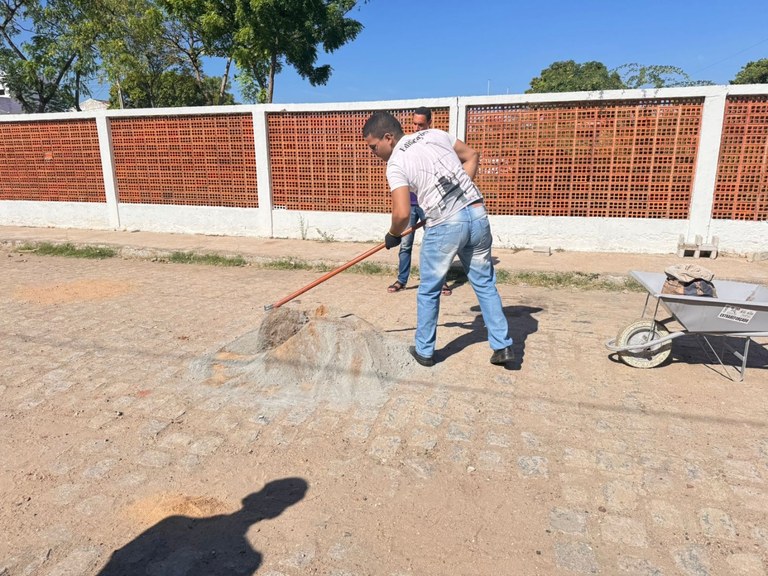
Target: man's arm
x,y
469,158
401,210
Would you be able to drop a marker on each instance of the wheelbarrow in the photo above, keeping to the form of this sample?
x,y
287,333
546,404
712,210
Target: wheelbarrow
x,y
739,310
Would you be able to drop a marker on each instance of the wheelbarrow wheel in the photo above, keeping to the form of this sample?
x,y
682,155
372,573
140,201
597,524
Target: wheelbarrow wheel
x,y
640,332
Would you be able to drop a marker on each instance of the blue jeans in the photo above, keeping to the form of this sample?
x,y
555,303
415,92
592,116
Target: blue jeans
x,y
468,235
406,246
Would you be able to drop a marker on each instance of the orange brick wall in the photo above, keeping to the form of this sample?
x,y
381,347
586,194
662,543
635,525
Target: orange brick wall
x,y
186,160
319,160
741,189
625,159
51,161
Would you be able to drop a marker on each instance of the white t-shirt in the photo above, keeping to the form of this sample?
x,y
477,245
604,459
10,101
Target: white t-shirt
x,y
427,164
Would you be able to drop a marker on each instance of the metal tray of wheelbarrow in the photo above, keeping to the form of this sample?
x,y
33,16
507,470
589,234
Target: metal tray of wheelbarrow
x,y
739,309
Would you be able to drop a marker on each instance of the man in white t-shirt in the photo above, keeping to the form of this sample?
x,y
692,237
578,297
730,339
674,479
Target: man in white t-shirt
x,y
438,169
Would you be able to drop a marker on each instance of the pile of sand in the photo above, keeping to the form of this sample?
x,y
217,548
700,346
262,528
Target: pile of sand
x,y
296,356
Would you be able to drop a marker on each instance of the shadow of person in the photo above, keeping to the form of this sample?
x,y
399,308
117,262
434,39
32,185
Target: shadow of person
x,y
217,545
521,321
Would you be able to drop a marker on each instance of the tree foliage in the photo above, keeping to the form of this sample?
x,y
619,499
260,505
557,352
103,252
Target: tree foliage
x,y
568,76
753,73
153,58
273,33
656,76
168,89
47,70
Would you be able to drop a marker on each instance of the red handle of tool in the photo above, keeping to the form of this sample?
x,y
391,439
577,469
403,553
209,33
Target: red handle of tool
x,y
341,268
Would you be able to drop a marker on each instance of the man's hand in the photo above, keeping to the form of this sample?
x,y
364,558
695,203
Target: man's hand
x,y
390,240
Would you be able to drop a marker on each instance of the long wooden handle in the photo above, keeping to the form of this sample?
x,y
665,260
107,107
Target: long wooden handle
x,y
341,268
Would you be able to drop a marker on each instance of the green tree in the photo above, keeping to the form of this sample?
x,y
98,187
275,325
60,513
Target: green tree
x,y
48,69
153,57
273,33
753,73
568,76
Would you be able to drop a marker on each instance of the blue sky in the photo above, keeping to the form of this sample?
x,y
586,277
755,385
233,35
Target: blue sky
x,y
433,48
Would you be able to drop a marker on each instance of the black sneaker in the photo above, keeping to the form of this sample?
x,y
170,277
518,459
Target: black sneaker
x,y
428,362
503,356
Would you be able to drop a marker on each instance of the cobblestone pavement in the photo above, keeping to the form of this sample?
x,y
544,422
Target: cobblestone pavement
x,y
129,416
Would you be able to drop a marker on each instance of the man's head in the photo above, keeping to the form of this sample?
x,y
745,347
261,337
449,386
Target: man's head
x,y
381,132
422,118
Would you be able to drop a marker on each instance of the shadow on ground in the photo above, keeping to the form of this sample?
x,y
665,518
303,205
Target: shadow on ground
x,y
716,352
522,324
214,545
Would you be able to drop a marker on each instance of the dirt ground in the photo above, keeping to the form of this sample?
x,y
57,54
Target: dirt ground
x,y
154,419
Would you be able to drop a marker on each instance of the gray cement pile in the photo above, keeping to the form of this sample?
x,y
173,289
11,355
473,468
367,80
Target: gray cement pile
x,y
296,357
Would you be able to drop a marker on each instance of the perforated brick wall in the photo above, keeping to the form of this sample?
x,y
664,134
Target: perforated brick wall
x,y
55,161
627,159
741,188
206,160
319,160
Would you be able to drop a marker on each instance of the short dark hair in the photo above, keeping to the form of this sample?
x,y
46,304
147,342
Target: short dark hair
x,y
424,111
380,123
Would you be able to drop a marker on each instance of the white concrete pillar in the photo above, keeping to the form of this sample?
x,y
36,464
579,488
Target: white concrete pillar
x,y
263,172
703,193
111,192
459,112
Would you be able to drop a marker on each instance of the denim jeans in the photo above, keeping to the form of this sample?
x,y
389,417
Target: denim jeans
x,y
466,234
406,246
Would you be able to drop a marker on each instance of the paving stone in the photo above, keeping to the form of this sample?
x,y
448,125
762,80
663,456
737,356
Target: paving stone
x,y
568,521
100,469
65,494
206,445
738,471
490,460
384,448
357,431
97,504
424,440
533,466
77,562
753,498
620,496
174,440
573,489
622,530
745,565
638,567
431,419
459,432
579,458
665,514
577,557
422,468
530,440
500,419
717,524
692,560
458,454
300,558
496,439
614,462
154,459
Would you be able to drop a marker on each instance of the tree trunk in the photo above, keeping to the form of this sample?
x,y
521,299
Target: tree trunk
x,y
77,91
272,66
224,79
